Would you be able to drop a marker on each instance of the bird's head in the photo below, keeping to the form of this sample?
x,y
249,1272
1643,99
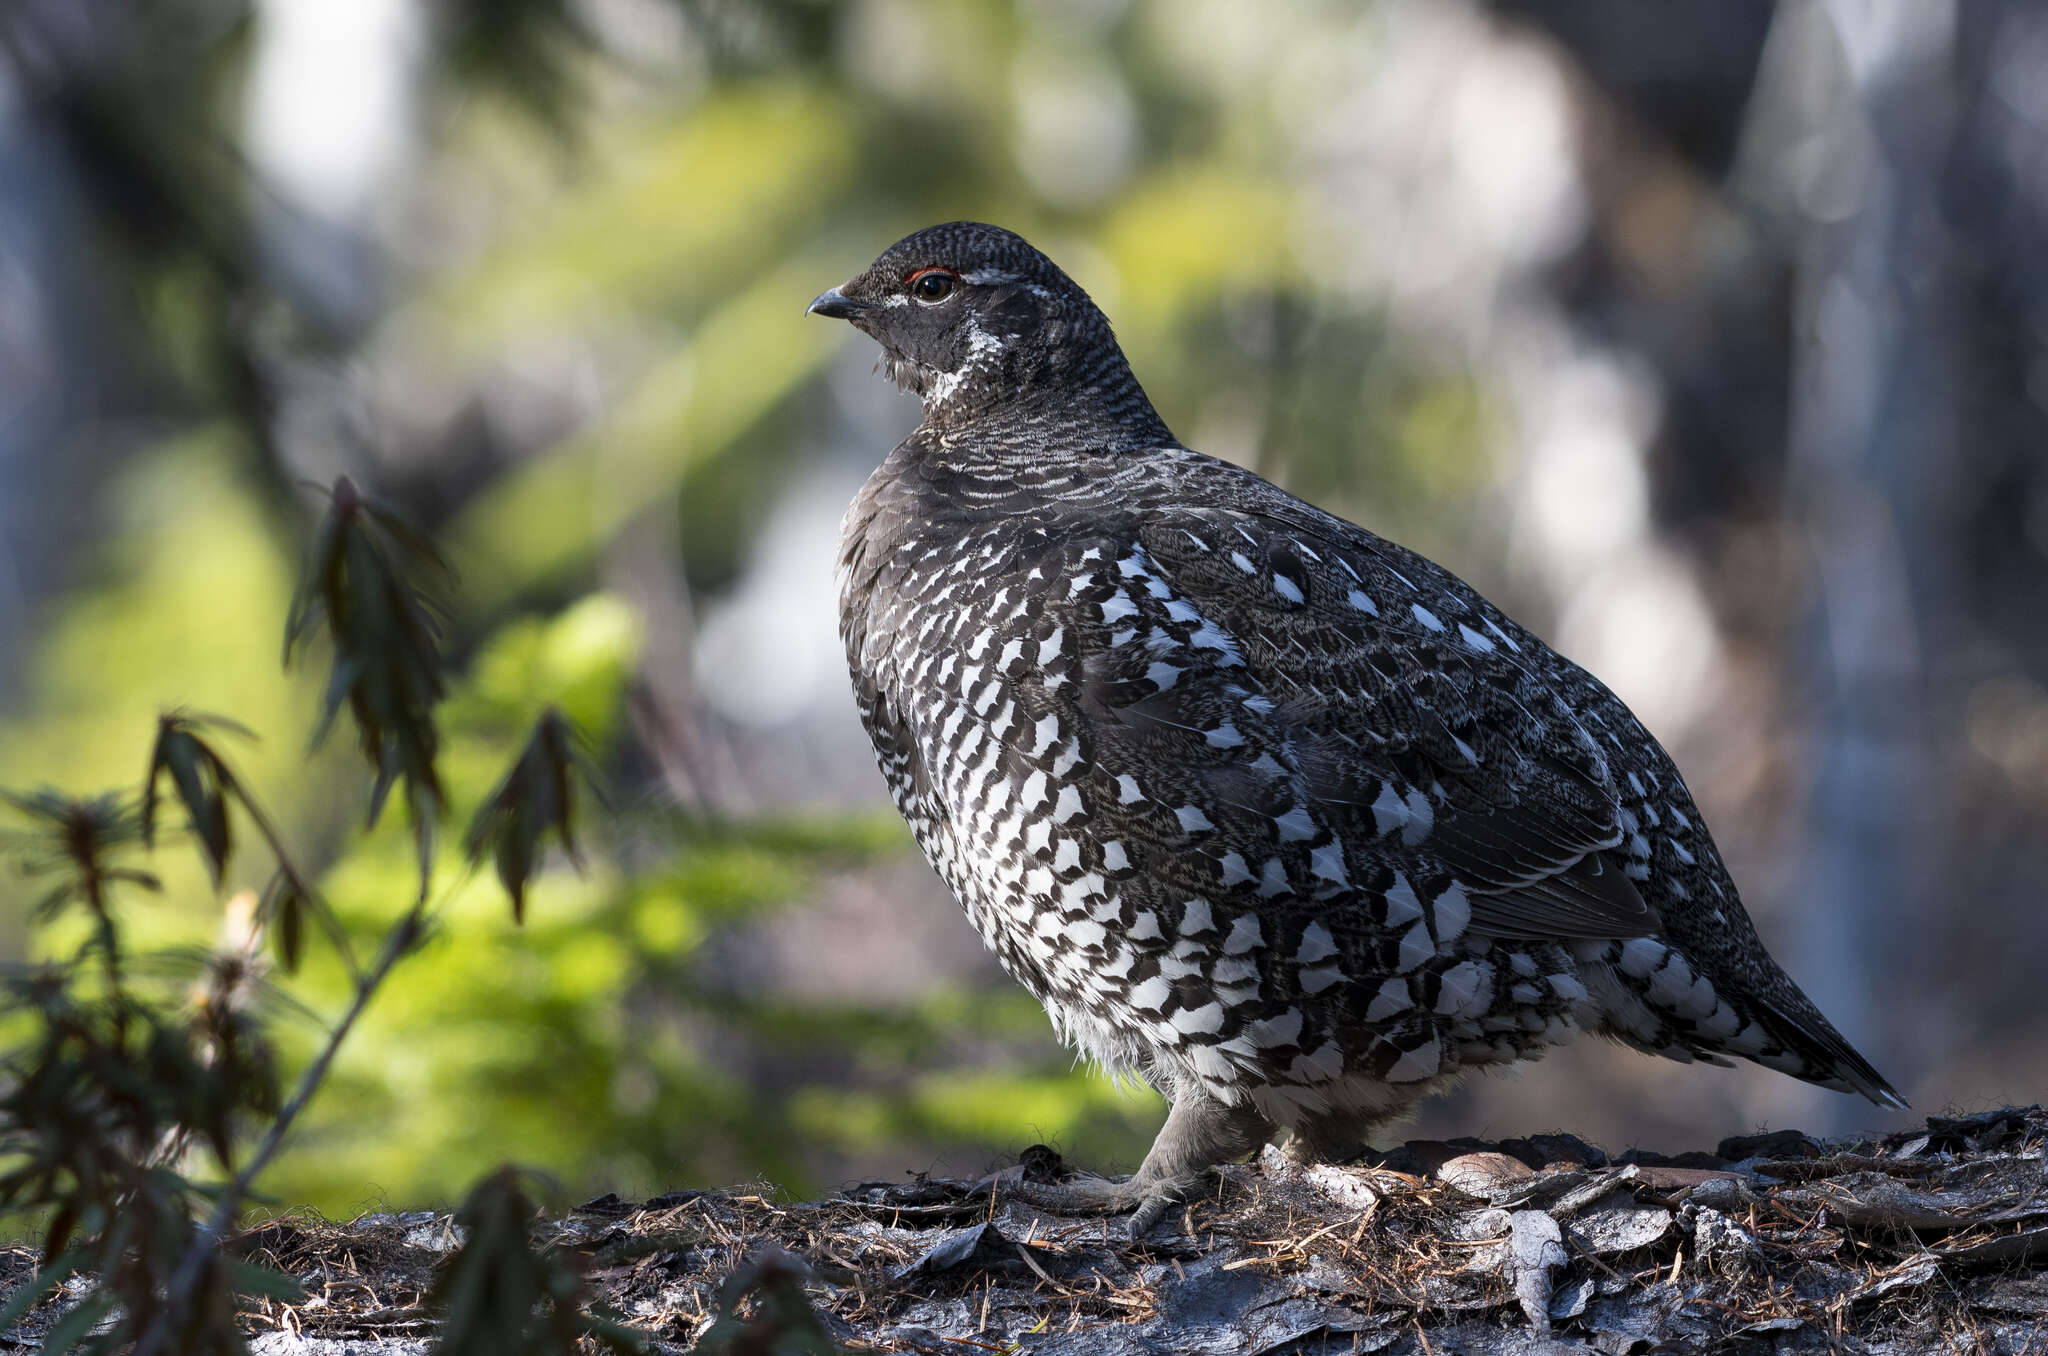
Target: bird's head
x,y
976,321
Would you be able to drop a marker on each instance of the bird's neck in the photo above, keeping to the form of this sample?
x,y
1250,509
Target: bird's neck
x,y
1085,401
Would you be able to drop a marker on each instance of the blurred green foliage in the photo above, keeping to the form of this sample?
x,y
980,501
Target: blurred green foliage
x,y
666,227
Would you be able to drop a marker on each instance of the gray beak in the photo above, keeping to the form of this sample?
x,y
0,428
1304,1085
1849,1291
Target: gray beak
x,y
836,304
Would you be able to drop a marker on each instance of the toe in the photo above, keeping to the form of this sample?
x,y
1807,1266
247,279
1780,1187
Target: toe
x,y
1147,1202
1079,1195
1148,1214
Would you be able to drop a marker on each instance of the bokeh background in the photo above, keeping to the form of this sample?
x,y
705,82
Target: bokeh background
x,y
1709,337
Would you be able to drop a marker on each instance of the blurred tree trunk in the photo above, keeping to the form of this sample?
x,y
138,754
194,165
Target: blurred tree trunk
x,y
54,330
1873,425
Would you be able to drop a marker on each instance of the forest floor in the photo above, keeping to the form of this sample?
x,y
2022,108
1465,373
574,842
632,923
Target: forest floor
x,y
1926,1241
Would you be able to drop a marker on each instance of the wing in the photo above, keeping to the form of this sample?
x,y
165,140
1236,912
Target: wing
x,y
1345,719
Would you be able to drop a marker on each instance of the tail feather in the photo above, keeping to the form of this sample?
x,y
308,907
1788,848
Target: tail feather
x,y
1650,996
1828,1059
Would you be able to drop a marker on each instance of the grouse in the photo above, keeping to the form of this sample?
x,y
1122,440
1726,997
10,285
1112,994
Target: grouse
x,y
1269,811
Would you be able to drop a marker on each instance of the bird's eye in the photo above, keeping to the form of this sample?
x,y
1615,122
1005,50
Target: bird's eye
x,y
932,285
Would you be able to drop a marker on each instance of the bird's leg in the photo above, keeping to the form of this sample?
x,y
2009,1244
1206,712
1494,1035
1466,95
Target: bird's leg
x,y
1343,1136
1329,1140
1199,1133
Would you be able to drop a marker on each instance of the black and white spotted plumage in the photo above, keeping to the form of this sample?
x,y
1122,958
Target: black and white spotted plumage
x,y
1270,811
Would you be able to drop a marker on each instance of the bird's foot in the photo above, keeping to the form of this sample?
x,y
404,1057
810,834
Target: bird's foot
x,y
1199,1132
1146,1201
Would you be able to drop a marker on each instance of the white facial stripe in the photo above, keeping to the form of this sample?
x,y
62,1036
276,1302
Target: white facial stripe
x,y
981,343
982,348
